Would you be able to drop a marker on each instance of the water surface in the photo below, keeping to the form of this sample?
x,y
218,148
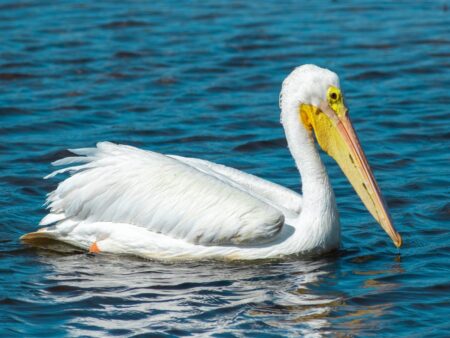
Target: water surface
x,y
202,79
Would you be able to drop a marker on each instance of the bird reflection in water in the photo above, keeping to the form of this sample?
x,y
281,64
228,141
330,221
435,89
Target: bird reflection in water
x,y
300,295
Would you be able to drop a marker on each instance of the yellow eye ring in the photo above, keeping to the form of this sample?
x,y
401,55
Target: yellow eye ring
x,y
335,100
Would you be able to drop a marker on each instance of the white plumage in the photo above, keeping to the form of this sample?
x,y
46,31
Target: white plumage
x,y
131,201
123,184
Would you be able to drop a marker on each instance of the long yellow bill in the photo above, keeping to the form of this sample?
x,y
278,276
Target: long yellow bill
x,y
336,136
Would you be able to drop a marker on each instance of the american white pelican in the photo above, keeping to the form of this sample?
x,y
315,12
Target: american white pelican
x,y
120,199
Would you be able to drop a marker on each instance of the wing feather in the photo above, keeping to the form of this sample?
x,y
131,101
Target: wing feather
x,y
123,184
287,201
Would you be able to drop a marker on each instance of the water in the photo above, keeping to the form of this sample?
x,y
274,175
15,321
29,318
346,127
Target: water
x,y
202,79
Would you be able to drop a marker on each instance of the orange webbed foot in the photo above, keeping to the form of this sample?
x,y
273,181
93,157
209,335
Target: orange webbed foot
x,y
94,248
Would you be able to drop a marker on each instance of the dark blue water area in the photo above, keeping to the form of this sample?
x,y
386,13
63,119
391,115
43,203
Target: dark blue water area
x,y
201,79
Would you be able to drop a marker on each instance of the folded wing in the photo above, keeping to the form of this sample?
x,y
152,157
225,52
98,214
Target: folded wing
x,y
123,184
287,201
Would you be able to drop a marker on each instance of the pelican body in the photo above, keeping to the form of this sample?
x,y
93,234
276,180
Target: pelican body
x,y
123,200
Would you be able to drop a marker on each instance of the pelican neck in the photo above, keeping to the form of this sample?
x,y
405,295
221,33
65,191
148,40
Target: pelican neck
x,y
316,187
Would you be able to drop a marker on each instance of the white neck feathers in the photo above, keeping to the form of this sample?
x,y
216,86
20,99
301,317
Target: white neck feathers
x,y
315,182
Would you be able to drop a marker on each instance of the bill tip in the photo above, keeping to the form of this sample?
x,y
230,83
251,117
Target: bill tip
x,y
398,240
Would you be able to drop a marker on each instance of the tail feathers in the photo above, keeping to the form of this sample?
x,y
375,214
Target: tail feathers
x,y
48,240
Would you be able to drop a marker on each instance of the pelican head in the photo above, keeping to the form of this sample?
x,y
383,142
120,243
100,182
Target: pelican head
x,y
314,94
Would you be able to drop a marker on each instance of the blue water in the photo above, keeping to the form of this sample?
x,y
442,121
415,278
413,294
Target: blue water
x,y
201,79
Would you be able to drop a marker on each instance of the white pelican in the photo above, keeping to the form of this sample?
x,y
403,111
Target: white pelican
x,y
123,200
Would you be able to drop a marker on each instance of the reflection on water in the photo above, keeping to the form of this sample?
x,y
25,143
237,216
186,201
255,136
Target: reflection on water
x,y
211,297
93,294
202,80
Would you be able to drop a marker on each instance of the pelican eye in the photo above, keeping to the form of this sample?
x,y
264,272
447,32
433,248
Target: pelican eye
x,y
335,100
